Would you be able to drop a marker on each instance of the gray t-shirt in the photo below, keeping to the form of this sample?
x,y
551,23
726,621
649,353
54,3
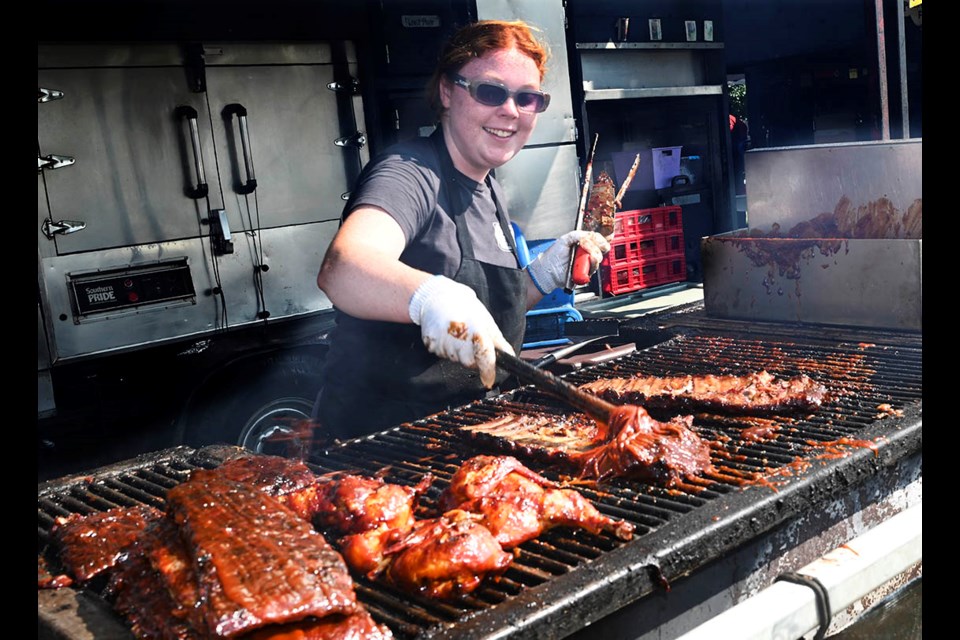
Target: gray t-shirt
x,y
405,182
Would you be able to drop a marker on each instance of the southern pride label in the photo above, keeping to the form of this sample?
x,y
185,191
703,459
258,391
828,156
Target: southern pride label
x,y
100,295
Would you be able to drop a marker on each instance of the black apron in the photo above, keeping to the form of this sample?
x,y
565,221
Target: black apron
x,y
379,374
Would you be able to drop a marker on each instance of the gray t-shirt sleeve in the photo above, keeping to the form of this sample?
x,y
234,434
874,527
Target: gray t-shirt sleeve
x,y
403,186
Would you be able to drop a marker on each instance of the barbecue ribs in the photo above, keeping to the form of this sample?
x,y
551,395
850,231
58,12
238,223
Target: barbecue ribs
x,y
257,562
289,481
91,544
753,394
640,447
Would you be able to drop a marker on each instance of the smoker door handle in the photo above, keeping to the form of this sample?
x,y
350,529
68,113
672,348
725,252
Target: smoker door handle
x,y
188,113
241,112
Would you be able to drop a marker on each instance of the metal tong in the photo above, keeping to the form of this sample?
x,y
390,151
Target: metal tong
x,y
597,408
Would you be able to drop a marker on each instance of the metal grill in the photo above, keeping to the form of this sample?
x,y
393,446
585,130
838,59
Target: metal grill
x,y
566,579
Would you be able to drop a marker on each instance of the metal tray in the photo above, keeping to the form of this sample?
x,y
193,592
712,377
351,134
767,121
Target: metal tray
x,y
857,282
864,283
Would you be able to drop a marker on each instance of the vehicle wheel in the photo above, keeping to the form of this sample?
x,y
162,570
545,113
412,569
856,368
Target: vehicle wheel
x,y
263,406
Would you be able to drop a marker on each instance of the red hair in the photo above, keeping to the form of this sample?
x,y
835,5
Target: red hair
x,y
479,38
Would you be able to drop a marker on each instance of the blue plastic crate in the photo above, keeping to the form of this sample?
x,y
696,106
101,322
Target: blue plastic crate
x,y
546,319
545,326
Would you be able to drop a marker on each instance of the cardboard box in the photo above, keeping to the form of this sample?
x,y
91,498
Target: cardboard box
x,y
658,166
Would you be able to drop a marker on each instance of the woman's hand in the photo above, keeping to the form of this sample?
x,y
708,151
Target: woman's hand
x,y
549,270
455,325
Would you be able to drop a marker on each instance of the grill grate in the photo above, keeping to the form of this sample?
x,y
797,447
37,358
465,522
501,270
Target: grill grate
x,y
862,373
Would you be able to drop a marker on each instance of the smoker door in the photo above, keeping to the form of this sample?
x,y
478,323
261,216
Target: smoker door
x,y
293,123
133,156
277,123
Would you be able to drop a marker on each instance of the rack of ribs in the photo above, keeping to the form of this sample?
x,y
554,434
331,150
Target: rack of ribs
x,y
640,447
91,544
759,393
291,482
257,562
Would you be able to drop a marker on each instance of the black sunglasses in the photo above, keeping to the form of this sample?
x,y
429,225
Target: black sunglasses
x,y
494,94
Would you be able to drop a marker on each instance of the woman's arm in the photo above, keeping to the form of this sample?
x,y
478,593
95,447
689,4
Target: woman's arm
x,y
361,271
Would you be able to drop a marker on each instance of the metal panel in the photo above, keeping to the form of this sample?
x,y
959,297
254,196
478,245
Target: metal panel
x,y
289,289
860,282
865,283
290,286
293,122
45,400
787,185
133,157
653,92
541,185
65,56
557,123
641,69
250,53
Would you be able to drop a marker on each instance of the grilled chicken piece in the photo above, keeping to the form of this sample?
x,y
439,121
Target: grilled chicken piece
x,y
369,514
445,557
481,475
644,448
518,504
357,504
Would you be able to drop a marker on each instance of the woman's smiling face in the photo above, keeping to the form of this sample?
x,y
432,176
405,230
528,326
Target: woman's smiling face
x,y
480,137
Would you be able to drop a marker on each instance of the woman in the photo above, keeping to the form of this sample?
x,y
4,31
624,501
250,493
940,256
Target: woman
x,y
423,270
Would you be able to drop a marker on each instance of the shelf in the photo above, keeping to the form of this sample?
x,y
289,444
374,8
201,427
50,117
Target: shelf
x,y
648,45
652,92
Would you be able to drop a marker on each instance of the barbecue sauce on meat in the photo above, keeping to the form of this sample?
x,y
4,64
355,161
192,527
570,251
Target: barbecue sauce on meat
x,y
358,626
367,515
518,504
92,544
257,562
289,481
633,445
753,394
445,557
662,452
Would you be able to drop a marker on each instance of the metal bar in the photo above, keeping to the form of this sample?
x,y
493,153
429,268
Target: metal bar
x,y
904,100
882,70
652,92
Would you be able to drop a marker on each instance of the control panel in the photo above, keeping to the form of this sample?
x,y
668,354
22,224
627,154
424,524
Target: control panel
x,y
131,287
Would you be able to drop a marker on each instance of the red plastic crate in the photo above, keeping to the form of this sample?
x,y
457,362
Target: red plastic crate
x,y
642,274
630,224
648,246
646,250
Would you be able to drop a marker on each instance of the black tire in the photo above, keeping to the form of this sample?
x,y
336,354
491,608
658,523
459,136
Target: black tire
x,y
263,405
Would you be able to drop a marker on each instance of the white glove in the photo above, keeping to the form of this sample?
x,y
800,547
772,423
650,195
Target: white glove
x,y
455,325
549,270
